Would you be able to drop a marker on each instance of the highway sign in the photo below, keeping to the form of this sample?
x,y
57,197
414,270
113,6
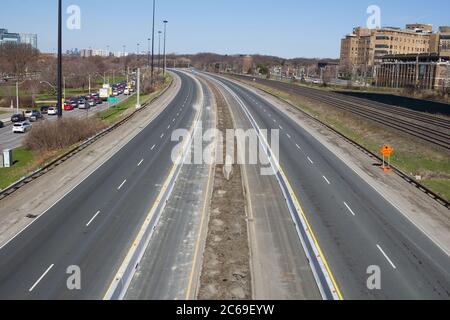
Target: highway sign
x,y
113,100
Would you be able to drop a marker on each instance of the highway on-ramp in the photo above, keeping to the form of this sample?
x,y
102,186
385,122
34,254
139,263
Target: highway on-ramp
x,y
93,227
357,229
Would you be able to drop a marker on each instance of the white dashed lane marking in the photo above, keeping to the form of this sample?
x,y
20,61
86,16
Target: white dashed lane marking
x,y
123,183
92,219
42,277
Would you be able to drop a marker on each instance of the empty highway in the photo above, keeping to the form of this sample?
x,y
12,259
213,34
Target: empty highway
x,y
355,226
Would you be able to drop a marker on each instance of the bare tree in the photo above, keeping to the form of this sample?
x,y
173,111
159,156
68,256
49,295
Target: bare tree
x,y
17,58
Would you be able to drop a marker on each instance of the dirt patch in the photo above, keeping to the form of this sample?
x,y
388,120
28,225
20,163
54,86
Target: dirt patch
x,y
226,263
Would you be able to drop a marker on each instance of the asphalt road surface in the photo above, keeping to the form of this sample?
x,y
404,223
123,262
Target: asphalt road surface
x,y
356,227
167,270
94,226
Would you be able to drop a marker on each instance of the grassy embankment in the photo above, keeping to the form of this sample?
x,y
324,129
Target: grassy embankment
x,y
414,157
26,161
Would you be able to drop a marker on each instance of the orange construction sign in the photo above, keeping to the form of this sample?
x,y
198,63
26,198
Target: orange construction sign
x,y
387,150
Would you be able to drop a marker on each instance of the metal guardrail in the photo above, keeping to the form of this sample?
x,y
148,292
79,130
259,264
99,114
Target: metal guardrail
x,y
75,150
399,172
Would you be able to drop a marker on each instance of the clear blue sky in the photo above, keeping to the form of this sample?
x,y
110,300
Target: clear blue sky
x,y
287,28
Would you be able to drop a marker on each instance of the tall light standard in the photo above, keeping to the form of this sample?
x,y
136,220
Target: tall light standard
x,y
137,52
148,53
108,52
59,77
165,61
153,41
159,49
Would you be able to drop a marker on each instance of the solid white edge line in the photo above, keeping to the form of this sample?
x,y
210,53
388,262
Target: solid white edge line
x,y
40,279
386,256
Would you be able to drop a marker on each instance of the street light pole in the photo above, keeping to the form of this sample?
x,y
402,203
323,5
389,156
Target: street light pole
x,y
159,50
148,53
165,61
153,42
17,95
59,78
138,101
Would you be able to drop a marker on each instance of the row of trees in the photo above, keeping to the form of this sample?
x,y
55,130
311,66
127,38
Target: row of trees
x,y
23,63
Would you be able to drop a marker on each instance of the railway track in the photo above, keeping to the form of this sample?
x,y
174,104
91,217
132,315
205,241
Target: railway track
x,y
426,127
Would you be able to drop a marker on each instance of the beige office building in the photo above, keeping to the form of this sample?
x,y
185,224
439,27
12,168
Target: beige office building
x,y
366,47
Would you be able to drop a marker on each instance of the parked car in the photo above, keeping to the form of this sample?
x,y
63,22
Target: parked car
x,y
68,107
28,113
126,92
21,127
52,111
1,124
115,93
44,109
91,103
18,118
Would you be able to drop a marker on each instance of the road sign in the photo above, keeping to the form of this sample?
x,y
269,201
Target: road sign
x,y
113,100
387,150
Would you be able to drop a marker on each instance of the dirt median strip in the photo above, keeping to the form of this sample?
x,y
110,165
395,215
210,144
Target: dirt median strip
x,y
226,271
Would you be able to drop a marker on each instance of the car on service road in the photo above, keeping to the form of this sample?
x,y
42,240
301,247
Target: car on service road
x,y
68,107
21,127
35,116
44,109
52,111
83,105
18,118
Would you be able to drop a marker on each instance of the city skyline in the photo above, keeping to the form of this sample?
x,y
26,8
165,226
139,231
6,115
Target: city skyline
x,y
291,29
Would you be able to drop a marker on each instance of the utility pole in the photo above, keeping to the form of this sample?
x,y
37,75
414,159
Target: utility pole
x,y
59,80
89,84
153,43
165,37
